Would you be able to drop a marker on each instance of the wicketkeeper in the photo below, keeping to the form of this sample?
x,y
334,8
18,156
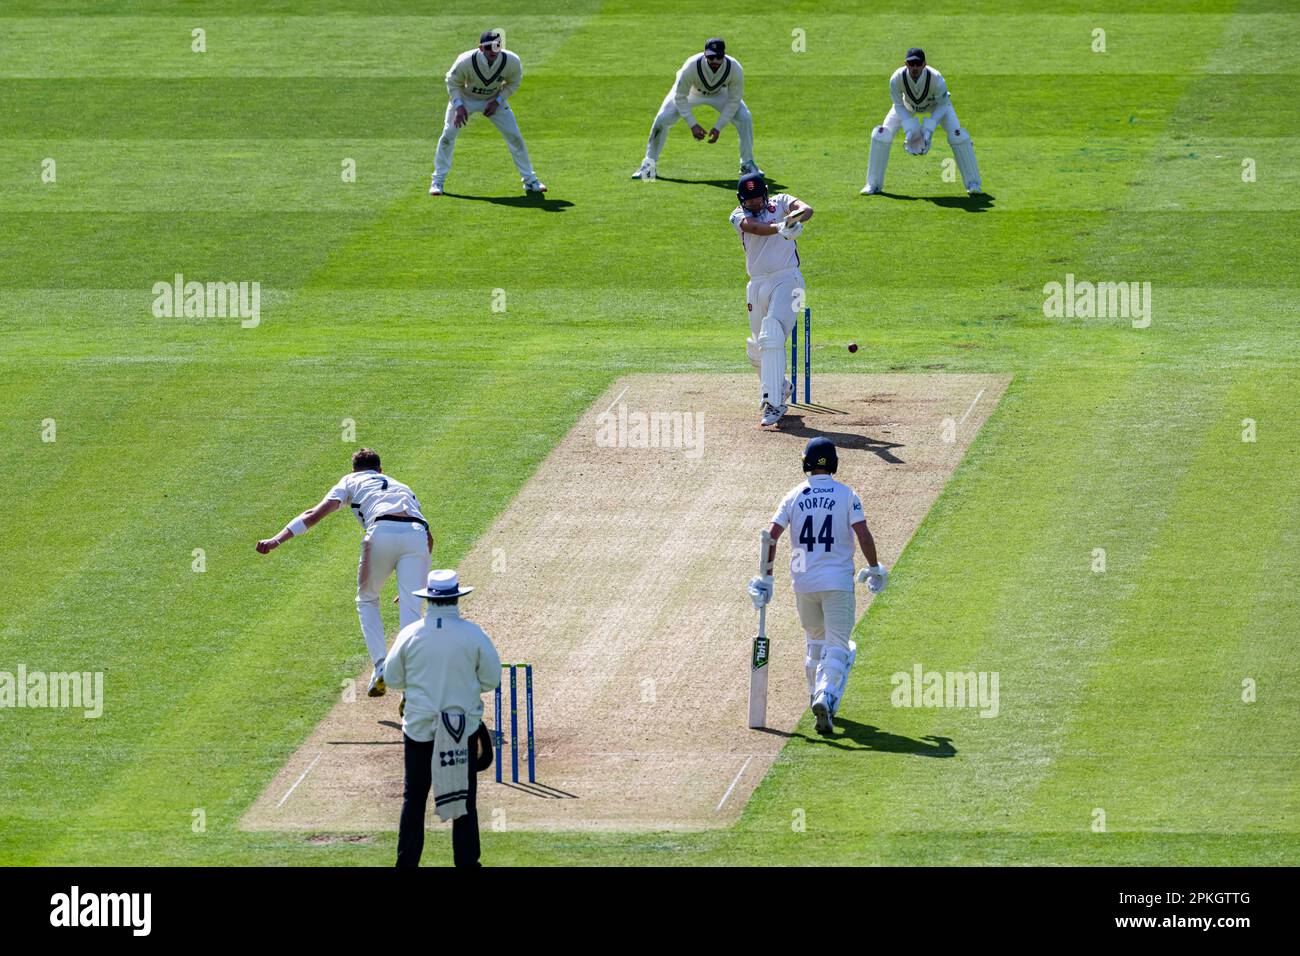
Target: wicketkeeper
x,y
916,89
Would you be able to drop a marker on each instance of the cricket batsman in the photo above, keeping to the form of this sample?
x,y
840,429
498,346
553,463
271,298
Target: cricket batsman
x,y
916,89
396,539
768,227
824,517
482,80
713,79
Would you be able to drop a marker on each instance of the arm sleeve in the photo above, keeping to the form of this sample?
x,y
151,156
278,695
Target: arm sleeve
x,y
340,492
735,90
682,90
855,510
454,82
782,516
395,665
737,217
514,75
489,665
911,125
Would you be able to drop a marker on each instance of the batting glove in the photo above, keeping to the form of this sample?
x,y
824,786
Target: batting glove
x,y
760,591
788,231
876,577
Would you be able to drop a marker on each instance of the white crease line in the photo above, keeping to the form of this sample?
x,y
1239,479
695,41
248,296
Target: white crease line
x,y
615,401
734,782
299,780
972,406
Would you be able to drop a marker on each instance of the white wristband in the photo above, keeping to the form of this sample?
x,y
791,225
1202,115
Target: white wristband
x,y
296,528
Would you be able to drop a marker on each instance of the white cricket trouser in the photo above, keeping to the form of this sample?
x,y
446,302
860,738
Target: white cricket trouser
x,y
503,119
828,617
778,298
387,547
668,117
945,115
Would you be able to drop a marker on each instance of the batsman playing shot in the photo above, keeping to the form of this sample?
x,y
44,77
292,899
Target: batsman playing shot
x,y
768,228
824,518
916,89
396,539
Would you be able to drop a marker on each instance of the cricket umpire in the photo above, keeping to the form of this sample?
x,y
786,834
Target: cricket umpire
x,y
444,664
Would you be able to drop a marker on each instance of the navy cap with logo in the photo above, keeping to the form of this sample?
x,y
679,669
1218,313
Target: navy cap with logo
x,y
489,36
915,55
716,47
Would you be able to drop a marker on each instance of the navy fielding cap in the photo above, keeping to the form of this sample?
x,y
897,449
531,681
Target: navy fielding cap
x,y
489,36
716,47
915,55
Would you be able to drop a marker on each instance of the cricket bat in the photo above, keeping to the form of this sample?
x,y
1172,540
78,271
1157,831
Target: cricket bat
x,y
759,656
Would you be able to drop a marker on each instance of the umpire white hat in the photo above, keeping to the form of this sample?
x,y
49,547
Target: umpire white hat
x,y
442,584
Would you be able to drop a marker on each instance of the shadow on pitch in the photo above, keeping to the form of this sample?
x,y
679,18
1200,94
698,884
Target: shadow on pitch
x,y
978,203
728,184
526,201
867,737
884,450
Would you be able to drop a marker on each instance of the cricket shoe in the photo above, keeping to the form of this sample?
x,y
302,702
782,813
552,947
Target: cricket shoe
x,y
821,709
869,190
435,189
377,686
534,186
747,168
772,413
647,171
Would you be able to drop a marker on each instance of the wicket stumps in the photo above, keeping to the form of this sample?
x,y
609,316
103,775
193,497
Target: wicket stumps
x,y
498,735
807,358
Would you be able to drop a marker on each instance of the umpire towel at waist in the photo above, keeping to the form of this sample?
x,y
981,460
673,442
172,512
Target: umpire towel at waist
x,y
451,765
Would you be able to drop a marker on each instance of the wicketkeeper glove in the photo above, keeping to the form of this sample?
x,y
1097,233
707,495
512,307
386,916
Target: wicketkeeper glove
x,y
876,577
760,590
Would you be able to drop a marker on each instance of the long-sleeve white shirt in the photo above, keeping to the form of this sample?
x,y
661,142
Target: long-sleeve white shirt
x,y
443,662
695,76
924,95
472,77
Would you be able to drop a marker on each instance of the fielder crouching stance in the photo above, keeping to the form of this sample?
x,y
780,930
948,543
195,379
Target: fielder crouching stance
x,y
768,229
916,88
397,539
824,516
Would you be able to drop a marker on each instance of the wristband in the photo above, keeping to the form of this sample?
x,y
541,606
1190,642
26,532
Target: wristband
x,y
296,528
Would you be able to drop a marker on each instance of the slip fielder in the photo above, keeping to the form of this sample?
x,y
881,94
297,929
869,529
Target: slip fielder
x,y
396,539
824,517
916,88
482,80
768,228
714,79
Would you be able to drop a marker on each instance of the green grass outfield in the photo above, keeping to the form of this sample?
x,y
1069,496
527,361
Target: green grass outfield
x,y
1120,691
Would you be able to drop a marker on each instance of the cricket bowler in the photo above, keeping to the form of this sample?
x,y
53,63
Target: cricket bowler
x,y
396,539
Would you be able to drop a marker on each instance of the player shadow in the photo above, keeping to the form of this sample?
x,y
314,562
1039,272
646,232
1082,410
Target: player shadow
x,y
795,425
729,184
526,201
978,203
868,737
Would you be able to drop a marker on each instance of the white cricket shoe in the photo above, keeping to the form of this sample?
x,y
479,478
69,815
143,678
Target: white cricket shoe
x,y
647,171
377,686
772,413
821,709
747,168
435,189
869,190
534,186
